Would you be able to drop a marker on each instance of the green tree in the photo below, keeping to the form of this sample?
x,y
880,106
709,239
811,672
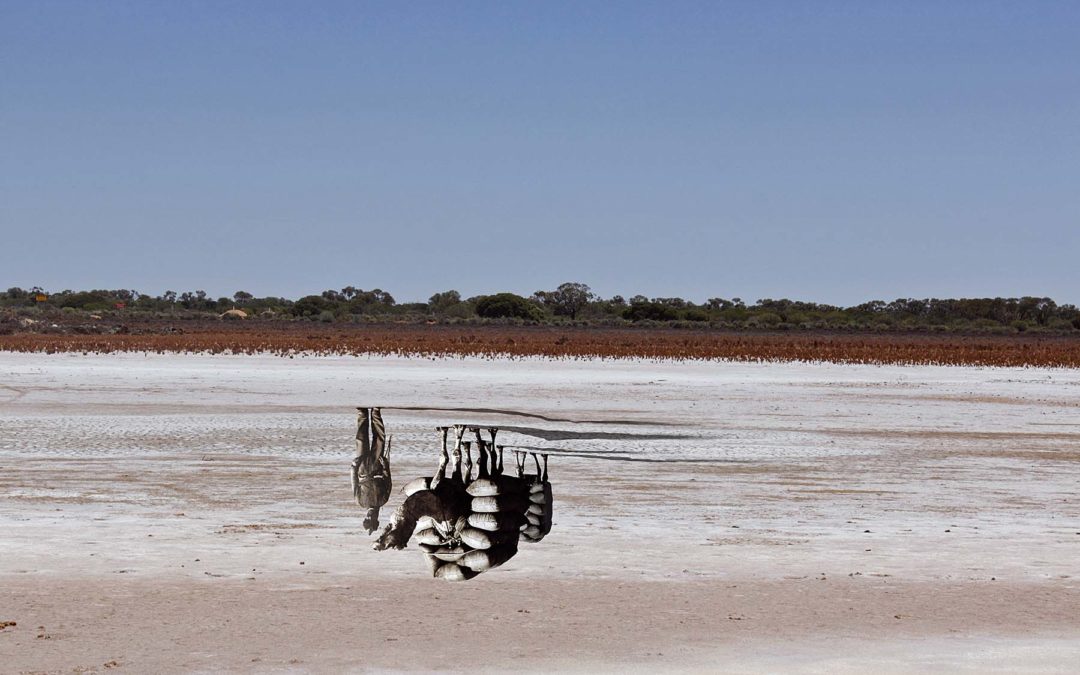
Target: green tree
x,y
507,305
376,301
311,305
647,309
566,300
442,302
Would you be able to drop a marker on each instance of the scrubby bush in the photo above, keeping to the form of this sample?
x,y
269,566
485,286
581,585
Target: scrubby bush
x,y
649,311
765,319
311,305
88,300
508,305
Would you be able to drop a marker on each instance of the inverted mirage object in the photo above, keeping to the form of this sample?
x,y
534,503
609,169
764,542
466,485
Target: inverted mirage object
x,y
468,524
371,481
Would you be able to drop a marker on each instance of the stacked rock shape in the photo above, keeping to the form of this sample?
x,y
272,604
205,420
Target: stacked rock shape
x,y
502,511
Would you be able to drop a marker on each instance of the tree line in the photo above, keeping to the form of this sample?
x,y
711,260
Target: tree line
x,y
573,303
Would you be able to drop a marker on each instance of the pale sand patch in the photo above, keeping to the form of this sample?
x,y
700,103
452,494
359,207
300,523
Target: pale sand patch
x,y
781,517
337,623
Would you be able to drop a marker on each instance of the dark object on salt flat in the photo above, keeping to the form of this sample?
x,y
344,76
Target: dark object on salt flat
x,y
371,481
468,524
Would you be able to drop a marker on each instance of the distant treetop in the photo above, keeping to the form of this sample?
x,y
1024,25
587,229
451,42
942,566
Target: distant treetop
x,y
574,302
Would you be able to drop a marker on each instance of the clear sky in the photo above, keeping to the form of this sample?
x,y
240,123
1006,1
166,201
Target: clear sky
x,y
834,152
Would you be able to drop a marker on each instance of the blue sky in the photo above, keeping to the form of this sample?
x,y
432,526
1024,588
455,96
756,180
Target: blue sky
x,y
835,152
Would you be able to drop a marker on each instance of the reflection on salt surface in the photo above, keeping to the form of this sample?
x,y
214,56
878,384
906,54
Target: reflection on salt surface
x,y
473,519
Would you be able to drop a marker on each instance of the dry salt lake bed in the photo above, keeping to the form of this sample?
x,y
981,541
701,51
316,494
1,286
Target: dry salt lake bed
x,y
180,513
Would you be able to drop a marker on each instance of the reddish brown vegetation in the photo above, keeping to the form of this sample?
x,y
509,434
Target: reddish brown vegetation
x,y
510,342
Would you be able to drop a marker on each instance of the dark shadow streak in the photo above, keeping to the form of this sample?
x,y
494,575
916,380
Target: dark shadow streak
x,y
555,435
599,454
518,413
